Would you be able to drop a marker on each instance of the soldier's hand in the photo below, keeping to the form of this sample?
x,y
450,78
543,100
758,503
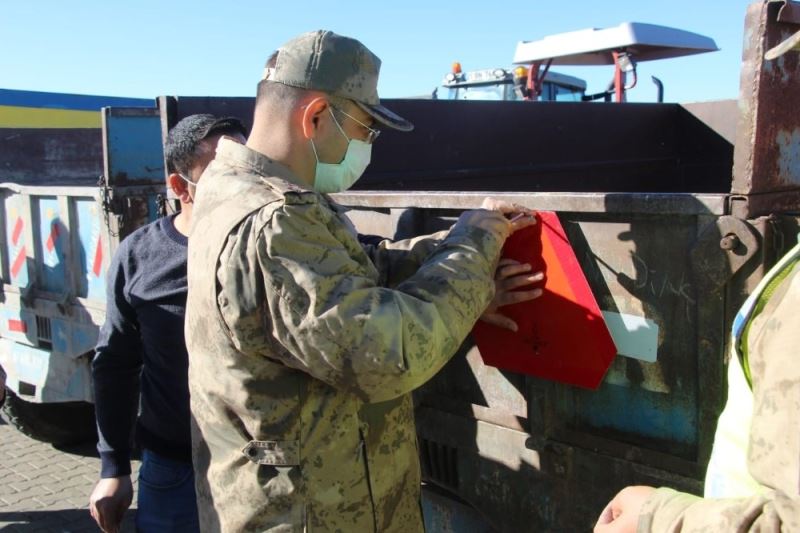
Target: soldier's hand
x,y
510,276
621,515
110,499
498,217
519,216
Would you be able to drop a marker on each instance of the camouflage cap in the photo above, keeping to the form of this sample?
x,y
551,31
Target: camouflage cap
x,y
792,43
337,65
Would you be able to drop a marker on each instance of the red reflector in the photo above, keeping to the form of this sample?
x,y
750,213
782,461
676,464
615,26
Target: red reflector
x,y
17,325
562,334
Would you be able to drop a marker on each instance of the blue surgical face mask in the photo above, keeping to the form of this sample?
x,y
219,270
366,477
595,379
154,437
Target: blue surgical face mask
x,y
338,177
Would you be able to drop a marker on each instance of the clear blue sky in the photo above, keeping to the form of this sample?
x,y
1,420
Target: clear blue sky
x,y
148,48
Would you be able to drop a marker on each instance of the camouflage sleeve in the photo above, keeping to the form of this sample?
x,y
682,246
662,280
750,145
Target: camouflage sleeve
x,y
773,457
325,308
672,511
396,261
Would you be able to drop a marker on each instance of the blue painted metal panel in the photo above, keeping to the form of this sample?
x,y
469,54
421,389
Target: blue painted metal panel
x,y
53,239
57,379
71,339
79,384
83,338
92,262
85,102
29,364
639,412
60,331
135,151
446,515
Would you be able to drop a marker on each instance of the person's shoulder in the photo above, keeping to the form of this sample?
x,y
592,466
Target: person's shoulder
x,y
149,229
152,232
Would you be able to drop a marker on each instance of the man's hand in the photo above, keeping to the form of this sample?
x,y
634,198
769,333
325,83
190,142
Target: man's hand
x,y
509,276
621,515
519,216
500,218
110,499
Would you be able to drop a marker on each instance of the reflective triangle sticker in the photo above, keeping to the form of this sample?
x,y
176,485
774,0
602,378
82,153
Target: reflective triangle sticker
x,y
562,334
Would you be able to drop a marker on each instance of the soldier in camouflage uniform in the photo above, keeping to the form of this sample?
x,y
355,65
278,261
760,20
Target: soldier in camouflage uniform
x,y
757,488
304,345
753,478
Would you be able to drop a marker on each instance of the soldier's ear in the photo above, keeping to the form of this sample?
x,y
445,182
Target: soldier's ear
x,y
312,122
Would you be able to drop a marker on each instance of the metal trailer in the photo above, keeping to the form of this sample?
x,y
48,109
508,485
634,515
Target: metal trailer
x,y
56,241
675,213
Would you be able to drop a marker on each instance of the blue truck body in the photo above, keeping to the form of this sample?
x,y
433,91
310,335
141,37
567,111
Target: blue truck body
x,y
74,180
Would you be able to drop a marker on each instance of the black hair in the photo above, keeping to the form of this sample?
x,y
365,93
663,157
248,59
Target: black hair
x,y
180,148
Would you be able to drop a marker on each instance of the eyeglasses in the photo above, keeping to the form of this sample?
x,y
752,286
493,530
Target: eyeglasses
x,y
372,133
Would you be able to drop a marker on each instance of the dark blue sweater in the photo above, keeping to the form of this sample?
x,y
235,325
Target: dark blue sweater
x,y
141,362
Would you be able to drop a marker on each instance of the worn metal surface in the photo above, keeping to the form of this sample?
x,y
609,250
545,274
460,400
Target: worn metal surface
x,y
444,515
789,11
550,146
640,203
132,148
565,146
55,254
767,155
175,108
722,116
134,169
647,421
740,242
57,242
50,156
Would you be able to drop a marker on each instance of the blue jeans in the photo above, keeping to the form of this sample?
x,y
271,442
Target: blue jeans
x,y
167,501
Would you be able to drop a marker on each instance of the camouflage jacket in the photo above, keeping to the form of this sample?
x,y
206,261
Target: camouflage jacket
x,y
301,358
773,457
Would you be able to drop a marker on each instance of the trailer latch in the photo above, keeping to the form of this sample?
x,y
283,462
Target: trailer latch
x,y
722,248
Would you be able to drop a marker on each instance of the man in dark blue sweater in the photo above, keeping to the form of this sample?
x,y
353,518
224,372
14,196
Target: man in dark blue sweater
x,y
141,362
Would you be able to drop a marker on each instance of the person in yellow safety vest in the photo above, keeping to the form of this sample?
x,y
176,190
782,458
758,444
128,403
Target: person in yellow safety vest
x,y
753,477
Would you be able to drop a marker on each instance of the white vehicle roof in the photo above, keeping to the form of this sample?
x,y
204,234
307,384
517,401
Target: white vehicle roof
x,y
593,46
